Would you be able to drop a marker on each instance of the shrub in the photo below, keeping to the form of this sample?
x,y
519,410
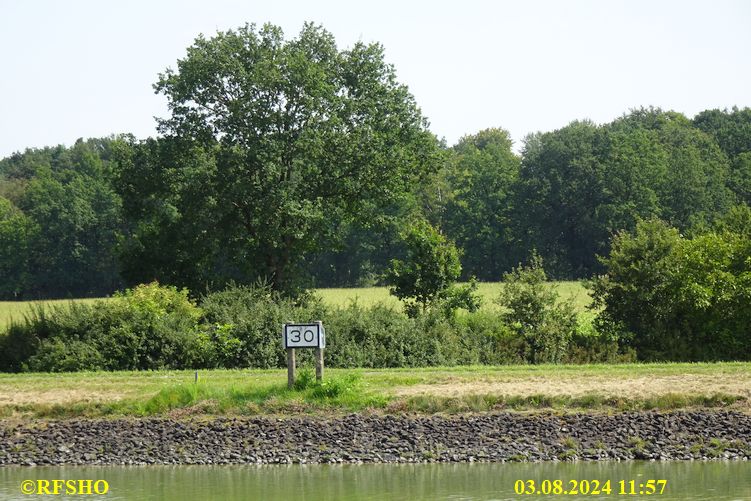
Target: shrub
x,y
156,327
246,323
381,336
536,313
148,327
493,341
633,297
16,346
675,298
589,346
59,355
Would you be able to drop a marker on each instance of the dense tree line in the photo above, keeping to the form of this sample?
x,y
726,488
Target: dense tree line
x,y
298,163
60,221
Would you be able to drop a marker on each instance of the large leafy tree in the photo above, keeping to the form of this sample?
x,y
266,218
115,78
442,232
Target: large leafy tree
x,y
169,206
480,174
732,131
559,188
581,184
693,189
17,233
298,134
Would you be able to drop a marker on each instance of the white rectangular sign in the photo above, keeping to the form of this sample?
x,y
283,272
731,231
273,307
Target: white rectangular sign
x,y
304,336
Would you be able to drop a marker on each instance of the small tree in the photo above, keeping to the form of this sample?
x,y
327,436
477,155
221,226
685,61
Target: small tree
x,y
427,274
534,310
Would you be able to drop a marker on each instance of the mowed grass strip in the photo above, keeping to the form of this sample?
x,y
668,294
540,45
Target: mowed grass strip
x,y
365,296
425,390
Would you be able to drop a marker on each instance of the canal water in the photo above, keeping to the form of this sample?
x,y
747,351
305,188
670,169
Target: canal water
x,y
683,481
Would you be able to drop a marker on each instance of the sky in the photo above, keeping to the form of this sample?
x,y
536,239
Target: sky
x,y
71,68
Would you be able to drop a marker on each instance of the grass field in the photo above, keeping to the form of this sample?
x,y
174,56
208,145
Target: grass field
x,y
427,390
341,297
15,310
488,291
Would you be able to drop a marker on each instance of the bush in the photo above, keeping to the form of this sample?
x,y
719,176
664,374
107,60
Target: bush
x,y
426,275
16,346
379,336
245,325
148,327
588,346
156,327
493,341
675,298
536,313
58,355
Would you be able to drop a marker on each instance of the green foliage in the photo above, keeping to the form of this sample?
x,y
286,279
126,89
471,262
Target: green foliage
x,y
492,340
17,345
245,324
148,327
312,186
17,236
732,131
737,220
59,235
158,327
334,130
427,273
381,336
676,298
57,354
581,184
588,345
557,194
634,292
459,297
535,312
480,177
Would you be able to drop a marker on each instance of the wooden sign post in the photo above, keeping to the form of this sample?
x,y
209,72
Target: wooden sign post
x,y
303,336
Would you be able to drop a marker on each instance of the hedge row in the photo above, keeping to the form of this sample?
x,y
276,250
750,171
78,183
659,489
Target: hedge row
x,y
155,327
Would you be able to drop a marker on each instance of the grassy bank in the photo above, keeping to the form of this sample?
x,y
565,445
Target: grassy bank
x,y
365,296
430,390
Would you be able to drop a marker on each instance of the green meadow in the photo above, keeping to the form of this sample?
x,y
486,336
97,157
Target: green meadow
x,y
488,291
17,310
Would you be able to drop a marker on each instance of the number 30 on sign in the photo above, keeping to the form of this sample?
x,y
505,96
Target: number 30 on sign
x,y
304,336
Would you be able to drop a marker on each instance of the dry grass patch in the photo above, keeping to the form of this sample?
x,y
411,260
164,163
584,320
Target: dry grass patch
x,y
54,397
626,387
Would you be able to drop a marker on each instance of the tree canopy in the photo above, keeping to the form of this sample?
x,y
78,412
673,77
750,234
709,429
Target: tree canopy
x,y
293,135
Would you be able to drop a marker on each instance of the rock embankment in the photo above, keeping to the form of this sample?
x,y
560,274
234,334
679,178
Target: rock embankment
x,y
380,438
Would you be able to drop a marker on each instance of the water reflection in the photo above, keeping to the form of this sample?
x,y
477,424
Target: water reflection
x,y
686,481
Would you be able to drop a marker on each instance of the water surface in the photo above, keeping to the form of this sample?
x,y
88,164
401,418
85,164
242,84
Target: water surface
x,y
488,481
